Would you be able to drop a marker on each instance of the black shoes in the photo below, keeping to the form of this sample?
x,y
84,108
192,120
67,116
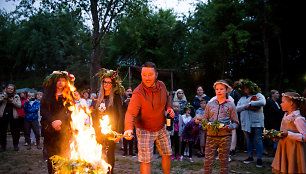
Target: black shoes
x,y
259,163
131,154
248,160
124,154
201,155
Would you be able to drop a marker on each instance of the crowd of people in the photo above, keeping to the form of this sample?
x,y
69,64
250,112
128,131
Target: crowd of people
x,y
140,115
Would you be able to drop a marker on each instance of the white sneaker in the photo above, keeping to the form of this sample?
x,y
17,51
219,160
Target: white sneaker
x,y
190,159
229,159
181,158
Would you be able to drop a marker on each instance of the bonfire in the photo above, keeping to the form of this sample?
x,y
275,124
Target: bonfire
x,y
85,152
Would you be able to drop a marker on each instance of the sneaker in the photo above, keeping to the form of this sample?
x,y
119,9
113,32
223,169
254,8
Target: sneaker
x,y
259,163
178,157
201,155
172,157
248,160
229,159
190,159
232,152
217,158
124,155
26,144
181,158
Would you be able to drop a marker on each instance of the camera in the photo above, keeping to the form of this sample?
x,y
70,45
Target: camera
x,y
32,99
9,95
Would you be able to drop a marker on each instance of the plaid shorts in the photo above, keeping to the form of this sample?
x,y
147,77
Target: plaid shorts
x,y
146,140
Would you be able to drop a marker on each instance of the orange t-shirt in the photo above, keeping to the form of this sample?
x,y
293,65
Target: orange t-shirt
x,y
147,107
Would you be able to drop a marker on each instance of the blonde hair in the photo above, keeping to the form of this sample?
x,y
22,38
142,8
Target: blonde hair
x,y
197,116
39,92
175,98
295,98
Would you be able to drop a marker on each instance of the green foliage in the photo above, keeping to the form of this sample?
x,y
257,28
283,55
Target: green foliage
x,y
45,42
221,39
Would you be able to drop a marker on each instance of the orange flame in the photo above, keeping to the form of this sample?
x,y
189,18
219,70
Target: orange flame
x,y
83,145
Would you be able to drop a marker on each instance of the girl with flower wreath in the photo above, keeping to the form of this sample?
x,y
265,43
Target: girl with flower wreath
x,y
221,110
290,156
109,103
55,119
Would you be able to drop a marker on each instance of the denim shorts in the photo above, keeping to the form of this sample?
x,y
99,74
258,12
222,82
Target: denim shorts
x,y
146,140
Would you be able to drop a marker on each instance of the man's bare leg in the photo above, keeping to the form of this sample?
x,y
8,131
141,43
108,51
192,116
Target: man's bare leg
x,y
166,164
145,168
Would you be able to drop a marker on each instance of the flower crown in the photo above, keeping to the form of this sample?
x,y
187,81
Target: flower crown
x,y
223,82
294,98
114,76
55,75
187,106
254,89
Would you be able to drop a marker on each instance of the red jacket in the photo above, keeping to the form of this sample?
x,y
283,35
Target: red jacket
x,y
147,107
20,111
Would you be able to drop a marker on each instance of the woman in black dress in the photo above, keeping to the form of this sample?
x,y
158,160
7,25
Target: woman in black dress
x,y
109,103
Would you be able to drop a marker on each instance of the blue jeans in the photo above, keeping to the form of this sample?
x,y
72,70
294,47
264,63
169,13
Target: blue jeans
x,y
254,139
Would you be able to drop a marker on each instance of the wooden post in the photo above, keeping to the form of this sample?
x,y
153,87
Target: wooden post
x,y
130,77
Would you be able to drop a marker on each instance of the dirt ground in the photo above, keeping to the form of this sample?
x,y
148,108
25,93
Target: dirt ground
x,y
31,162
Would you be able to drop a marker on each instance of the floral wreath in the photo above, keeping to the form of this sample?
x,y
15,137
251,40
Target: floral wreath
x,y
294,98
254,89
114,76
223,82
56,75
187,106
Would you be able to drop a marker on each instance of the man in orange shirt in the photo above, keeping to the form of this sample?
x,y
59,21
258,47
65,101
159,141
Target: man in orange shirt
x,y
146,111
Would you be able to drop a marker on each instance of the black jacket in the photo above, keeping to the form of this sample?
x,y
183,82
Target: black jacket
x,y
57,142
273,115
115,113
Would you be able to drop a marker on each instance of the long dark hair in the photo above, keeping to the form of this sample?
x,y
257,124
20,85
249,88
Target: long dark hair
x,y
101,95
50,92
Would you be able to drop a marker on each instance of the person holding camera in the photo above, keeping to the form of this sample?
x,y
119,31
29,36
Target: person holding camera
x,y
126,100
9,103
31,108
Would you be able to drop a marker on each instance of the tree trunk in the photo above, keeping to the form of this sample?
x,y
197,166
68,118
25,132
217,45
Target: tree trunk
x,y
96,51
266,48
94,67
281,74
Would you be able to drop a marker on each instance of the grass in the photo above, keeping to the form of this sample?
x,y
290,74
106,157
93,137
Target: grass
x,y
31,162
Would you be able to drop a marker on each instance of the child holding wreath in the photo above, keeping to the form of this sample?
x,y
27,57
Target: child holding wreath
x,y
220,112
